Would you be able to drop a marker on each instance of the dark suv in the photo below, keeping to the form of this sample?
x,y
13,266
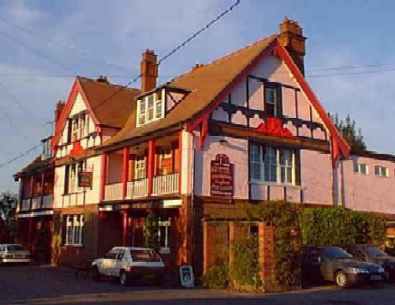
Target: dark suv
x,y
337,265
372,254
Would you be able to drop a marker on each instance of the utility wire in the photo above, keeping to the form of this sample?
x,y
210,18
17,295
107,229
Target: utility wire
x,y
162,59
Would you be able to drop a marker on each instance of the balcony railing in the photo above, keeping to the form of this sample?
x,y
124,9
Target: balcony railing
x,y
113,191
137,189
167,184
47,201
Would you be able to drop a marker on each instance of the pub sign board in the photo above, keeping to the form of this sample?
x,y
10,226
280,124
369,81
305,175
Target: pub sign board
x,y
85,179
221,177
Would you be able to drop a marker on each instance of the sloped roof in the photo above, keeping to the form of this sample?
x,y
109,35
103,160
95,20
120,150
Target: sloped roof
x,y
37,164
110,104
205,83
115,111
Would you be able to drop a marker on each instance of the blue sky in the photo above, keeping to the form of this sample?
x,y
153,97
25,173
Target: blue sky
x,y
45,43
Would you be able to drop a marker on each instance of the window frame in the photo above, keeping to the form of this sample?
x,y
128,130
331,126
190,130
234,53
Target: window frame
x,y
277,104
266,163
74,230
381,171
358,168
166,224
147,113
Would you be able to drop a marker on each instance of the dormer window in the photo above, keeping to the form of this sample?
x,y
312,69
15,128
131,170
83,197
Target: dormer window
x,y
150,108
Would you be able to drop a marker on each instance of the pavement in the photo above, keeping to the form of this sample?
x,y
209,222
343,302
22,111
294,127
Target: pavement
x,y
47,285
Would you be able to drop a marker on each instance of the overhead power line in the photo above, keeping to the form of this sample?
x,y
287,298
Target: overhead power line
x,y
161,60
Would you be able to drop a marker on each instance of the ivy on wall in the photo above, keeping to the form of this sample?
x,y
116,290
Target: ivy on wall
x,y
151,227
283,216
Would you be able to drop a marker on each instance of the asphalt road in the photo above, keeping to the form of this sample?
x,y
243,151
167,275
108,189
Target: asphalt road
x,y
46,285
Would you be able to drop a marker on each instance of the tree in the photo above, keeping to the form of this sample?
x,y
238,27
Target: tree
x,y
8,203
348,129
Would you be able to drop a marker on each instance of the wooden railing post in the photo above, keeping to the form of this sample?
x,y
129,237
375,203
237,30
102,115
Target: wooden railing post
x,y
151,165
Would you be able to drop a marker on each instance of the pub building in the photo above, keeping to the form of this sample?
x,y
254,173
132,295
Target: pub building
x,y
241,130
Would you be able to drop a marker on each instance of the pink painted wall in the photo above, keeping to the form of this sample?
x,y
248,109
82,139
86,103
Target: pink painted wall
x,y
316,177
237,151
171,101
369,192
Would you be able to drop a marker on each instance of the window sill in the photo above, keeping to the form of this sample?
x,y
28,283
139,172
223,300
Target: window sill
x,y
73,245
275,184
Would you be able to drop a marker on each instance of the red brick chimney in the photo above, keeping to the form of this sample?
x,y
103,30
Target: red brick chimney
x,y
149,70
58,110
291,37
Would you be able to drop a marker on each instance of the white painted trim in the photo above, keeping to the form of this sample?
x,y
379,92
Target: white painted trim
x,y
34,214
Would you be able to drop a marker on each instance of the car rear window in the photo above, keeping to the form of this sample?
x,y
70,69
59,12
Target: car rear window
x,y
144,256
335,252
375,252
15,248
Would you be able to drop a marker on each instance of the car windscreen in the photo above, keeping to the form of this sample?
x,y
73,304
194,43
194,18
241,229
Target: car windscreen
x,y
15,248
144,255
375,252
335,252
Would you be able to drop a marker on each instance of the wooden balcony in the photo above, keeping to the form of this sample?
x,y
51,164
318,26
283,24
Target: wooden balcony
x,y
137,189
167,184
113,192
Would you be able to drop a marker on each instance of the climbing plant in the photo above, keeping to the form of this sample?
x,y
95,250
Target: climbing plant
x,y
151,227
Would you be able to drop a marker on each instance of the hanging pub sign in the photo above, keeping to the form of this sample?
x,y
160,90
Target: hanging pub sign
x,y
221,177
85,179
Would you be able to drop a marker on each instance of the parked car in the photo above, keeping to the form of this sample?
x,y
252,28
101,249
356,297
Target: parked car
x,y
129,263
335,264
372,254
14,253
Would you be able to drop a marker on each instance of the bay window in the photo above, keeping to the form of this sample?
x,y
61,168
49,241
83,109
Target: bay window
x,y
273,165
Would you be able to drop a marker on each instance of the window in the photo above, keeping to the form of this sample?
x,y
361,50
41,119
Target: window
x,y
139,168
71,176
163,235
144,256
268,164
381,171
273,101
74,230
150,108
361,168
78,127
165,162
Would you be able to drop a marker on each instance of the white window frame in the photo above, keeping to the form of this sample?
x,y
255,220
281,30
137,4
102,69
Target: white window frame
x,y
382,171
358,169
148,113
165,224
140,171
74,230
266,163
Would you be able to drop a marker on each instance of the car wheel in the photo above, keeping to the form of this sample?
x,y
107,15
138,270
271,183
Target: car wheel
x,y
342,279
95,274
123,278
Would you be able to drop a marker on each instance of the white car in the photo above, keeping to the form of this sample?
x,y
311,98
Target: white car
x,y
127,263
14,253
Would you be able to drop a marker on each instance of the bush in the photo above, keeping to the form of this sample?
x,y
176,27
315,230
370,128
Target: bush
x,y
217,277
340,227
244,269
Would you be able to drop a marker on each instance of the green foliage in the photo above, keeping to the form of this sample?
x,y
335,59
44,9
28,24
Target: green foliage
x,y
217,277
8,202
340,227
244,269
284,217
151,227
349,131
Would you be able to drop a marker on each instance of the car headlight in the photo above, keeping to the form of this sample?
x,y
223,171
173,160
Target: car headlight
x,y
358,270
